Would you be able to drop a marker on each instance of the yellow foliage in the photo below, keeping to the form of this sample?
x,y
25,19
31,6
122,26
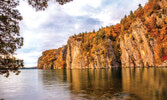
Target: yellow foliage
x,y
130,36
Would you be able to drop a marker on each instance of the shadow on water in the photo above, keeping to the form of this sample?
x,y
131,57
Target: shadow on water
x,y
115,84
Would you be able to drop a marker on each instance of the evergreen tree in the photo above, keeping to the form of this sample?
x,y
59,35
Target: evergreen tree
x,y
131,15
102,35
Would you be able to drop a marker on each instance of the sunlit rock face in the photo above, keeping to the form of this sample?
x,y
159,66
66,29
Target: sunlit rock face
x,y
73,54
53,59
145,42
136,51
76,59
140,49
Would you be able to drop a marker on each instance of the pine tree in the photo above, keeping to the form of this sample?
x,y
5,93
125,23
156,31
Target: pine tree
x,y
132,15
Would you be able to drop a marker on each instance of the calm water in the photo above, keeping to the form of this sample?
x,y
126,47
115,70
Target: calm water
x,y
98,84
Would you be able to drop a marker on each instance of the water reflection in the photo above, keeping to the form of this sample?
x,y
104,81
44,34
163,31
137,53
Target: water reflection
x,y
149,83
89,84
97,84
146,83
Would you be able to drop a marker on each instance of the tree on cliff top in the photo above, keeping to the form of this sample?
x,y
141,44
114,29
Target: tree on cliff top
x,y
10,39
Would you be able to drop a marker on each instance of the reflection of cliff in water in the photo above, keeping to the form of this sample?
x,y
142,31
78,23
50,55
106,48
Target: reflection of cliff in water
x,y
146,83
90,83
149,83
96,83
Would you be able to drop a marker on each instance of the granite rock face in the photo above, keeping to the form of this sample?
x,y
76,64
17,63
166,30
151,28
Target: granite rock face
x,y
76,59
53,59
136,50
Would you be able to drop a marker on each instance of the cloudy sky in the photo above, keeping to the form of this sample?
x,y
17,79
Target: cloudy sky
x,y
51,28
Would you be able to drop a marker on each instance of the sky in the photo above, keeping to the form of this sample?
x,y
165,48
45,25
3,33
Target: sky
x,y
50,29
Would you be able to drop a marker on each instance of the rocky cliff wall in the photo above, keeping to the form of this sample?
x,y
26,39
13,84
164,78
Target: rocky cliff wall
x,y
144,46
135,48
53,59
73,56
76,57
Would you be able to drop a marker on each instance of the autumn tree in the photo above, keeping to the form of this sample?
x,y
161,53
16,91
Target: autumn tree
x,y
139,12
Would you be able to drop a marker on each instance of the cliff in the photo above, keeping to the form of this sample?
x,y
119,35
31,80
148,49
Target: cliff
x,y
139,40
88,55
53,59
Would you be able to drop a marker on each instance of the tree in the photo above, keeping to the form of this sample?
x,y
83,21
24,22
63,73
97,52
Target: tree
x,y
87,45
139,12
42,4
132,15
10,39
140,7
102,35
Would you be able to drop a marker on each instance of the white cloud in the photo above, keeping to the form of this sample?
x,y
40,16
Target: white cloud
x,y
51,28
75,8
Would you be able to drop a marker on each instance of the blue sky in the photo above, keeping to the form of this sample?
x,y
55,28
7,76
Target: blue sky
x,y
51,28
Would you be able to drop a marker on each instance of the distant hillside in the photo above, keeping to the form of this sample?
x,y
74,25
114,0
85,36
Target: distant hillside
x,y
139,40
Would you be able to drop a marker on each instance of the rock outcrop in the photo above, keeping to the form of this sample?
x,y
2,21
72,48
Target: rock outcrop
x,y
53,59
140,40
136,51
73,57
95,59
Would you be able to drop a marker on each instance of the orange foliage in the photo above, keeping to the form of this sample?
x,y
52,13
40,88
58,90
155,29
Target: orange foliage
x,y
91,36
114,34
139,13
147,7
107,30
117,27
155,33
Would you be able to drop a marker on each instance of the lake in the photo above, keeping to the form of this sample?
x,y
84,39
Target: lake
x,y
88,84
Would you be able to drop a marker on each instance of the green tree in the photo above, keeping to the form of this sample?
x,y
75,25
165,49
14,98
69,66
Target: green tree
x,y
102,35
87,45
97,38
131,15
140,6
82,40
